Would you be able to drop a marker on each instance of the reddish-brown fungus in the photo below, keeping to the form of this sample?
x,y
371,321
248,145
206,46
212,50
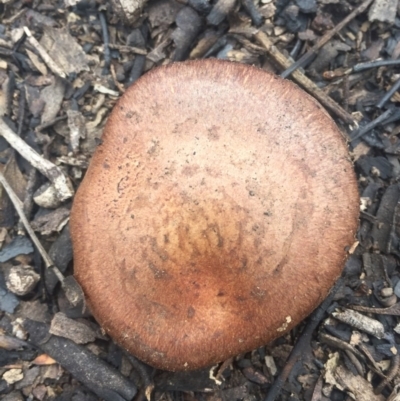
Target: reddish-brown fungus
x,y
215,215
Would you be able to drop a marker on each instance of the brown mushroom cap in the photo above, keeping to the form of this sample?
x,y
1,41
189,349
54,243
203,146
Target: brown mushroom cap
x,y
215,215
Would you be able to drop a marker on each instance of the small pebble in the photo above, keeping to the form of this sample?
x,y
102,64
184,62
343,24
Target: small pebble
x,y
21,279
387,292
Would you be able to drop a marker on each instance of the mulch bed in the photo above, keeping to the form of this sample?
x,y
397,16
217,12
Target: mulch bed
x,y
63,65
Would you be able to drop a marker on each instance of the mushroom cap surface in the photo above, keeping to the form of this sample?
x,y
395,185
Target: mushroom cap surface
x,y
215,214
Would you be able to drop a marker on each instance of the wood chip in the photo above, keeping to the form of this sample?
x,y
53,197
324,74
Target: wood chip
x,y
78,332
360,322
63,48
383,11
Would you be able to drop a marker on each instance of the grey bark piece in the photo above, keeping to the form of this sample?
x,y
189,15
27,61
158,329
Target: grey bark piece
x,y
14,396
360,388
63,48
61,254
128,10
383,11
18,246
52,96
76,331
54,173
8,301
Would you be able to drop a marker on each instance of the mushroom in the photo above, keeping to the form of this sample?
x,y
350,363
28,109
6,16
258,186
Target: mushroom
x,y
215,214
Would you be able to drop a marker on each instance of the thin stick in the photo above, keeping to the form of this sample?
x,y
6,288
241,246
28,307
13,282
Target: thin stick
x,y
44,55
389,94
19,208
60,182
374,123
390,375
71,288
302,343
325,39
19,14
106,41
302,80
374,64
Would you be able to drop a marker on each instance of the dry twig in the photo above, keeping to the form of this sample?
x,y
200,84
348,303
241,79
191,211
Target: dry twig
x,y
18,205
71,288
303,341
391,374
325,39
44,55
60,182
302,80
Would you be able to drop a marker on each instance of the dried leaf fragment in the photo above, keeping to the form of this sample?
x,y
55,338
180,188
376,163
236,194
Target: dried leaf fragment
x,y
356,385
44,359
51,222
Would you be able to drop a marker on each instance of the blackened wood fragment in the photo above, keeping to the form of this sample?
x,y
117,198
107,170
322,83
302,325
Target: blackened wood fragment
x,y
326,38
301,79
137,68
198,380
10,88
353,266
252,10
106,42
80,92
326,54
376,165
394,243
381,119
86,367
382,228
220,10
188,26
61,254
202,6
144,372
138,39
389,93
344,335
374,64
